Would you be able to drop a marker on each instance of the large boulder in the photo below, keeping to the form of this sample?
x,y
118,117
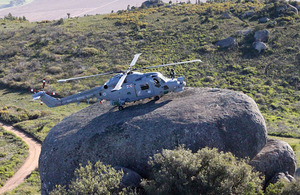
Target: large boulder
x,y
276,157
196,118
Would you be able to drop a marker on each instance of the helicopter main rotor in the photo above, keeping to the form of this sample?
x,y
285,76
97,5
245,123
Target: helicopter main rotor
x,y
125,73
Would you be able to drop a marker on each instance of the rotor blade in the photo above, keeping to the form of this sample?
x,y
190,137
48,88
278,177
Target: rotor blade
x,y
76,78
120,82
136,56
172,64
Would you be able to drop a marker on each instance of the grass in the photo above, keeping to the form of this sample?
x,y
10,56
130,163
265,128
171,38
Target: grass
x,y
13,152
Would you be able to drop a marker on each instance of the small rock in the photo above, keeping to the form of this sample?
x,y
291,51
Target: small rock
x,y
244,32
286,8
297,174
261,35
264,20
259,46
130,178
226,16
281,177
281,9
248,14
225,43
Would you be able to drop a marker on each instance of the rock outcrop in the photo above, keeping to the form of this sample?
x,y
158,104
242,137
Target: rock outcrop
x,y
276,157
196,118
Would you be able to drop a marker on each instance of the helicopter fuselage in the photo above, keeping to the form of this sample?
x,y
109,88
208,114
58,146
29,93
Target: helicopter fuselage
x,y
138,86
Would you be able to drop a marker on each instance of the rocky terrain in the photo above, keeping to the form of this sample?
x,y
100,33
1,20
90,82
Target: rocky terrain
x,y
197,117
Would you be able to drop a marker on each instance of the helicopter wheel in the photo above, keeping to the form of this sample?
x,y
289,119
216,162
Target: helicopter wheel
x,y
121,108
156,98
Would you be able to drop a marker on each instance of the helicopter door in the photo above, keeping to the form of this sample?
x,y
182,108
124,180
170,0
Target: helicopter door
x,y
143,90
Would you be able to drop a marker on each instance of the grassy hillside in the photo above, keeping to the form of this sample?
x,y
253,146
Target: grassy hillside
x,y
53,50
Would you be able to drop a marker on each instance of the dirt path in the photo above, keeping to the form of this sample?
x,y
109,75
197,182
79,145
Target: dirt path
x,y
30,163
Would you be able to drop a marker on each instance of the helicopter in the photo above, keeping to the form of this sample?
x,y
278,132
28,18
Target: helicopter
x,y
125,86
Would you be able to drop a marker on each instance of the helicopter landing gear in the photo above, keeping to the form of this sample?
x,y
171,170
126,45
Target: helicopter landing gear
x,y
120,108
156,98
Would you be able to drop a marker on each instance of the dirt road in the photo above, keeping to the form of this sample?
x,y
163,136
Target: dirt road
x,y
30,164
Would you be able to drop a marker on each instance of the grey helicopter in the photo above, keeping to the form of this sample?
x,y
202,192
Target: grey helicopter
x,y
125,86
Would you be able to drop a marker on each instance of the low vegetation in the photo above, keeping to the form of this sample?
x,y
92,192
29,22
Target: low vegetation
x,y
13,152
208,171
94,179
180,171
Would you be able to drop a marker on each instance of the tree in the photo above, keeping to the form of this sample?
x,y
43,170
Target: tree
x,y
208,171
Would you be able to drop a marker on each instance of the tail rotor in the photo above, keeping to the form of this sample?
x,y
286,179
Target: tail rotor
x,y
43,87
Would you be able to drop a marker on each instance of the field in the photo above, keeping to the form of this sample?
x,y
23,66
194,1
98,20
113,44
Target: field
x,y
53,10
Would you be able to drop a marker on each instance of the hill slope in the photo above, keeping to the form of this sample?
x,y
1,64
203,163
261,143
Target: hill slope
x,y
53,50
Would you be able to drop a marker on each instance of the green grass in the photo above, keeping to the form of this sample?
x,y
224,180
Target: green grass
x,y
13,152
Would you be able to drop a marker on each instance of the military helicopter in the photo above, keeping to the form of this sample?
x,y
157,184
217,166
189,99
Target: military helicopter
x,y
125,86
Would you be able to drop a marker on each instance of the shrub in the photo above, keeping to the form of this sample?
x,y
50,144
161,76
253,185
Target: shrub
x,y
208,171
55,70
88,51
284,188
93,179
291,188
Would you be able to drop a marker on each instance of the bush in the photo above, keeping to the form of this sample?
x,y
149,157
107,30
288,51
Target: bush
x,y
180,171
93,179
284,188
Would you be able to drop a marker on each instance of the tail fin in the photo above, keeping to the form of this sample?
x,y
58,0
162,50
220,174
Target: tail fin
x,y
48,100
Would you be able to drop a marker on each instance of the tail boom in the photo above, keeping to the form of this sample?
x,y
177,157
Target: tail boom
x,y
54,102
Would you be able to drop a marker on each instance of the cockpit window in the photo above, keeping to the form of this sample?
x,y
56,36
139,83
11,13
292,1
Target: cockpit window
x,y
144,86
